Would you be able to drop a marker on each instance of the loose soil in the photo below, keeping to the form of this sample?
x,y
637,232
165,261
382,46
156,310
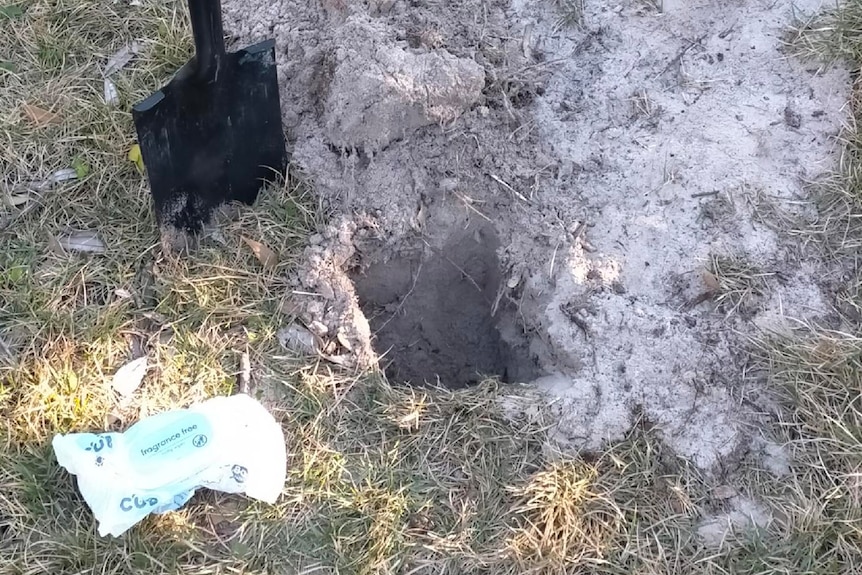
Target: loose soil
x,y
532,191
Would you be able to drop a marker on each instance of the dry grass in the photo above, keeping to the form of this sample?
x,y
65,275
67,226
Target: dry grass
x,y
821,375
819,372
831,35
736,282
571,13
563,518
836,35
381,479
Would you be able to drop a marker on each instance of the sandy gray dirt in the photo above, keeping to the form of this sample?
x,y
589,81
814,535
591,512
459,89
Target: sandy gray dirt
x,y
612,159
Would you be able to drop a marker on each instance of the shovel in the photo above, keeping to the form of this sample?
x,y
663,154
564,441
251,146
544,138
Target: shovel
x,y
213,134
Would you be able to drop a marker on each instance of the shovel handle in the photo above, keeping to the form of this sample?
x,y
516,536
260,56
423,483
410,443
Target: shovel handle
x,y
209,36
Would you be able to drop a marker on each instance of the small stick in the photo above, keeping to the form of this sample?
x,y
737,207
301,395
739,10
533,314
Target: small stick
x,y
404,299
682,53
243,378
456,266
705,194
497,299
553,259
469,204
508,187
579,231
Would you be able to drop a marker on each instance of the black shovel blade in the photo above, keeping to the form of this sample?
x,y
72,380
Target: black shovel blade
x,y
208,142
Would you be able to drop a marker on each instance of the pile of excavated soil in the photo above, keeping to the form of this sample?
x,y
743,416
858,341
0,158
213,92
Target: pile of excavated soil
x,y
522,195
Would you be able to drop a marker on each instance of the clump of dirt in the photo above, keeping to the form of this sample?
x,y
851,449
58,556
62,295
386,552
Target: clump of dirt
x,y
612,158
370,103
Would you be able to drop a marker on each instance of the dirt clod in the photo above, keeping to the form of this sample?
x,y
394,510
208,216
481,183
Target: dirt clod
x,y
387,94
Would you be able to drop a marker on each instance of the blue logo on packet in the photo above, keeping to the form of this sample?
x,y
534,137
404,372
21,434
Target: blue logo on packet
x,y
103,441
134,502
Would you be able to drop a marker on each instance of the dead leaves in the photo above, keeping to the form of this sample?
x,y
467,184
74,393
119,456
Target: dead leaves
x,y
119,59
116,63
129,377
86,241
23,197
110,93
39,117
136,157
82,168
710,281
60,176
297,338
266,256
18,198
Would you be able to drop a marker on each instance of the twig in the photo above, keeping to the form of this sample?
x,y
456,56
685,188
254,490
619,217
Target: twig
x,y
456,266
497,299
508,187
723,34
682,53
468,202
243,378
553,259
705,194
579,231
404,299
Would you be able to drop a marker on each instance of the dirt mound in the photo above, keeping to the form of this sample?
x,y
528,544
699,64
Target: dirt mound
x,y
612,152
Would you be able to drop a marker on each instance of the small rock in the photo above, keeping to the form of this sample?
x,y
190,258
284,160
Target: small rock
x,y
297,338
792,118
326,290
113,419
314,309
448,184
123,293
724,492
290,119
318,328
343,340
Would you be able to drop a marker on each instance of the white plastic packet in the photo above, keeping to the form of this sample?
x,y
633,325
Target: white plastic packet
x,y
230,444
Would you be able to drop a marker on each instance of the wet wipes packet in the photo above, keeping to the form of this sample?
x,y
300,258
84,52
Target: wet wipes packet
x,y
230,444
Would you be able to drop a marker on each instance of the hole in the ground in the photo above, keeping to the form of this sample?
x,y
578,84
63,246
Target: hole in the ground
x,y
432,320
